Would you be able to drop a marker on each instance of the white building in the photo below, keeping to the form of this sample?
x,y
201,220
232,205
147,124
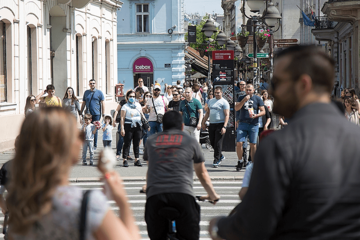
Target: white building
x,y
59,42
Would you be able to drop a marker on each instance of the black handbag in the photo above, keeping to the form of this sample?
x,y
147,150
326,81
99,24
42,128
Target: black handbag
x,y
83,213
118,115
193,120
144,121
159,117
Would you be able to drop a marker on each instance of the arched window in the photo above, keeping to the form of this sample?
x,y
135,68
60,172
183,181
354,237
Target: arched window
x,y
3,74
94,58
79,69
107,67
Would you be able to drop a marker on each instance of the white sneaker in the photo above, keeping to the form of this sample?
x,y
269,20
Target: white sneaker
x,y
141,152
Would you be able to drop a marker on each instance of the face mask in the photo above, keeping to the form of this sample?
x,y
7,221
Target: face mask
x,y
131,100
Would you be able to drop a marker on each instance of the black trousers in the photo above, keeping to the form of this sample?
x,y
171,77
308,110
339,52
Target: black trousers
x,y
133,134
187,225
216,139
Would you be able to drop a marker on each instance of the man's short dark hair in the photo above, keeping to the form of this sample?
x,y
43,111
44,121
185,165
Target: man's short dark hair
x,y
312,61
172,120
218,88
50,87
178,82
140,90
92,80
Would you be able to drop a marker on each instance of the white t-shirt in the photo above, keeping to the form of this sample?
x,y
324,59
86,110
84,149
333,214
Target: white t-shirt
x,y
144,88
160,103
63,220
197,95
269,104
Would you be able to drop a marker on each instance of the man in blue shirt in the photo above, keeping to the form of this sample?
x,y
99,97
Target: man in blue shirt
x,y
219,112
252,107
93,99
263,84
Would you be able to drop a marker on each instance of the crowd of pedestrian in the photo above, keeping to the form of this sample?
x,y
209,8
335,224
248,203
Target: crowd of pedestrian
x,y
302,186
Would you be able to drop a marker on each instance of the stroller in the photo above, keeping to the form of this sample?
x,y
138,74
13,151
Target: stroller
x,y
204,137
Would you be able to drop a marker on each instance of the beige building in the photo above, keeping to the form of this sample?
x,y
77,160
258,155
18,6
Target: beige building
x,y
59,42
340,28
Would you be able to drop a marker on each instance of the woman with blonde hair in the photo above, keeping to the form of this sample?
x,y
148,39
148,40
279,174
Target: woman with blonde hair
x,y
41,202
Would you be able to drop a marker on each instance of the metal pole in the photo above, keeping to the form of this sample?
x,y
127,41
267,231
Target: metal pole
x,y
209,72
255,52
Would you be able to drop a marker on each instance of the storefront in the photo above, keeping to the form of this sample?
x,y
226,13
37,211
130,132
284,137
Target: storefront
x,y
143,68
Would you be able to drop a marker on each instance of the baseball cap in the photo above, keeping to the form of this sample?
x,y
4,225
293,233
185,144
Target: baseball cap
x,y
157,86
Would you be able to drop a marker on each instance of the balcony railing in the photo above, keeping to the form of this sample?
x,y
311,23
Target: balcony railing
x,y
324,23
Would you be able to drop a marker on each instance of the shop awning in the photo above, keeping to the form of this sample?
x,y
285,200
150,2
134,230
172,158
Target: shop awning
x,y
200,63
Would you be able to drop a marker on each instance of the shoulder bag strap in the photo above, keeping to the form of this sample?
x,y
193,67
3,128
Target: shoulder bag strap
x,y
164,103
187,107
154,105
83,213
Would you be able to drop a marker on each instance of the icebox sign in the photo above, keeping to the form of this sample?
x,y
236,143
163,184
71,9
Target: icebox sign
x,y
143,65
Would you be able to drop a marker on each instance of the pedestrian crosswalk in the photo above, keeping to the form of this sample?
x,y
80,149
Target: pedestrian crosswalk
x,y
228,190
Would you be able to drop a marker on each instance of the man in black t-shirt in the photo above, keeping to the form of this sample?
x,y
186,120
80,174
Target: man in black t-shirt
x,y
174,104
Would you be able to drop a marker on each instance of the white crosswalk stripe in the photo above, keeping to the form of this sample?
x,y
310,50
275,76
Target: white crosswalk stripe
x,y
228,190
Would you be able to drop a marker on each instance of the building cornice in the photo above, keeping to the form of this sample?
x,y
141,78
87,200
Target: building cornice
x,y
346,11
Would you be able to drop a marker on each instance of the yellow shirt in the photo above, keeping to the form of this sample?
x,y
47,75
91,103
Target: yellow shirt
x,y
52,102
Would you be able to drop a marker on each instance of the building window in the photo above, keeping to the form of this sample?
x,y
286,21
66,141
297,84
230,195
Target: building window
x,y
29,62
79,69
3,75
107,67
142,17
94,59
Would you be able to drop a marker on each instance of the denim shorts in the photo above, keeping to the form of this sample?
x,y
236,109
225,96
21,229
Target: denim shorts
x,y
246,129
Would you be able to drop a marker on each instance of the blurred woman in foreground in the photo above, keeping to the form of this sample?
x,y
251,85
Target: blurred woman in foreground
x,y
42,205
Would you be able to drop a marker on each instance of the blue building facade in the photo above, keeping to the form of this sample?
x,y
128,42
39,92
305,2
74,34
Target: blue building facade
x,y
151,42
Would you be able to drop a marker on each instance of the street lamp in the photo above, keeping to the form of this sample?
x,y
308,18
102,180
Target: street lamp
x,y
237,50
221,38
230,45
209,29
270,17
255,5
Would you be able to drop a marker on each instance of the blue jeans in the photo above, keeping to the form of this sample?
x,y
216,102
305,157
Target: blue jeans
x,y
246,129
94,119
107,143
120,143
88,144
155,127
204,96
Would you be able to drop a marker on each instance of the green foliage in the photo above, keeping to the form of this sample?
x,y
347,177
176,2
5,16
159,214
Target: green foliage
x,y
201,39
243,34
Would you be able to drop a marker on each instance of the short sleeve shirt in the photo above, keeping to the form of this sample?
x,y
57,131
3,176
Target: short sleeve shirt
x,y
238,94
89,135
54,101
63,220
94,106
171,155
107,134
217,108
254,102
174,105
133,113
191,108
160,103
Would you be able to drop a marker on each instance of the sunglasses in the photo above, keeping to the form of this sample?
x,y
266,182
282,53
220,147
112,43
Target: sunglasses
x,y
82,136
156,90
148,96
33,99
92,83
175,95
242,84
140,81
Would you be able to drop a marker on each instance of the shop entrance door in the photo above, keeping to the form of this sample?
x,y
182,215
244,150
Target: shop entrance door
x,y
147,77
